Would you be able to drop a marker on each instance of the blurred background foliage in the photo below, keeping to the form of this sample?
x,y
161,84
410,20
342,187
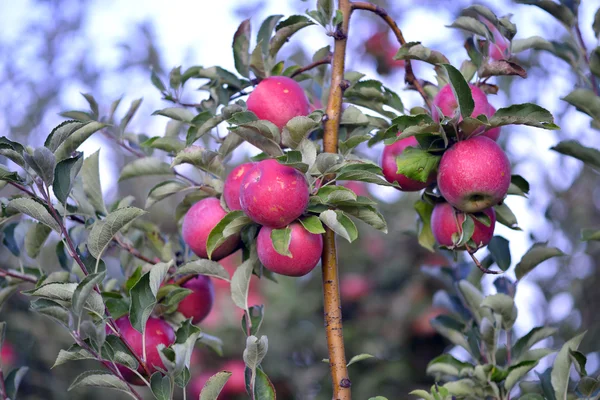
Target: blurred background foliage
x,y
51,50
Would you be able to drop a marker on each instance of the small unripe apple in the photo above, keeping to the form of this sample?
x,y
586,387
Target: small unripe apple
x,y
157,332
448,104
200,219
493,133
231,187
278,99
305,248
197,305
273,194
447,221
353,287
390,167
474,174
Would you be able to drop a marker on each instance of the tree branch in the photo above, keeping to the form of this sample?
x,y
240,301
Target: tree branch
x,y
17,275
323,61
409,75
331,293
586,57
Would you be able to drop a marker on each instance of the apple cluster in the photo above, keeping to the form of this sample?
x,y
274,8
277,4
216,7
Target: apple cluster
x,y
473,175
271,194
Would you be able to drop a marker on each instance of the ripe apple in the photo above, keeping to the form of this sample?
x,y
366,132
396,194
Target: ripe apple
x,y
390,168
305,247
493,133
200,219
197,305
353,287
273,194
278,99
231,188
157,332
8,355
382,49
447,221
474,174
498,50
448,104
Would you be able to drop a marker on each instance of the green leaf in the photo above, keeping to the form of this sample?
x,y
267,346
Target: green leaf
x,y
64,176
164,190
353,116
416,51
256,349
518,186
325,8
103,379
366,213
419,393
358,358
297,129
35,210
517,372
559,11
202,124
60,133
104,230
595,62
472,25
241,46
579,360
339,222
63,293
261,134
293,159
426,238
143,295
450,329
523,114
446,364
160,386
586,234
586,101
206,160
362,175
503,305
84,290
240,283
75,352
145,167
90,173
12,150
285,29
587,387
256,319
537,254
281,239
176,113
169,144
204,267
505,216
461,90
263,388
35,238
573,148
135,105
212,388
562,367
466,232
13,381
265,32
43,163
417,164
230,225
500,252
51,309
75,139
313,224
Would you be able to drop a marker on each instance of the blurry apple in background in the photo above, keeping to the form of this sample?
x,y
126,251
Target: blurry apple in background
x,y
353,287
421,325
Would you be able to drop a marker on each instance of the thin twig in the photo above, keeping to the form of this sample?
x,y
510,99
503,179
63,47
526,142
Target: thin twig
x,y
586,57
23,277
409,76
23,189
323,61
331,293
476,261
134,252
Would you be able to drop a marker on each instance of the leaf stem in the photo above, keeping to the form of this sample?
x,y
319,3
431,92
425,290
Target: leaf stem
x,y
409,76
331,293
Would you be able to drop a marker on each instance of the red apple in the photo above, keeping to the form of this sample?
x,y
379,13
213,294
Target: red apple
x,y
157,332
305,248
359,188
278,99
474,174
390,168
200,219
273,194
230,263
8,355
231,188
378,43
421,326
447,221
448,104
353,287
197,305
493,133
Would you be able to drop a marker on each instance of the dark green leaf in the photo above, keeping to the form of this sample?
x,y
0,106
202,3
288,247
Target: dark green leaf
x,y
416,51
103,379
586,101
524,114
263,388
461,90
75,139
558,11
265,32
297,129
313,224
280,239
562,366
500,252
579,360
586,234
537,254
256,318
35,210
230,225
84,290
13,381
526,342
573,148
241,46
161,386
64,176
417,164
35,238
104,230
43,162
505,216
285,29
143,295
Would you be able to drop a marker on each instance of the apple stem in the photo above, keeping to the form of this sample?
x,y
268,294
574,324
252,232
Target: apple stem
x,y
409,76
476,261
331,293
